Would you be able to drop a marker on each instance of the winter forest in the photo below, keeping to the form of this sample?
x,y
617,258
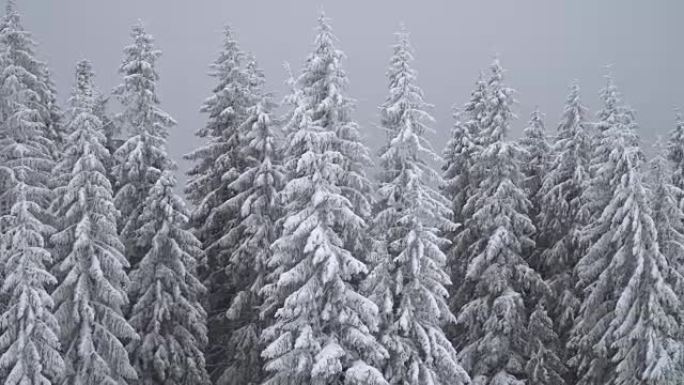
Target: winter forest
x,y
296,255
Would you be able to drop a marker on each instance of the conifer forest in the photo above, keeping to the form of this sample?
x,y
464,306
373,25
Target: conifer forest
x,y
291,253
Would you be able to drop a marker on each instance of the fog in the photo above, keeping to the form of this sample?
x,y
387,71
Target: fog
x,y
544,45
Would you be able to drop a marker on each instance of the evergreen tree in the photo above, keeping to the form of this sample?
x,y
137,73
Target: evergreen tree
x,y
544,367
460,181
18,60
667,210
497,294
256,197
535,158
675,153
141,158
561,217
91,265
29,341
217,164
323,330
629,324
167,313
411,279
613,112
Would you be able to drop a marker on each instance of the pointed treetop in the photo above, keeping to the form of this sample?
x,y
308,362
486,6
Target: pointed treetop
x,y
535,127
84,78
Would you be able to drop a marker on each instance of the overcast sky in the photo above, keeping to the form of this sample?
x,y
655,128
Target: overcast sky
x,y
543,44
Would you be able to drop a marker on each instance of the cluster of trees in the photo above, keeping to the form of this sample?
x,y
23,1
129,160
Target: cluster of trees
x,y
548,260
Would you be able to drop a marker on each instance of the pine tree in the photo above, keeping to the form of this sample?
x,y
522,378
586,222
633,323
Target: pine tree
x,y
561,217
256,197
90,261
323,330
29,343
167,313
613,112
630,320
17,50
499,282
411,279
675,152
535,158
544,367
139,161
667,210
460,180
217,164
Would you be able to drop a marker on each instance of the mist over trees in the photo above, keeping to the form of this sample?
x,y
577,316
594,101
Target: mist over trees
x,y
304,257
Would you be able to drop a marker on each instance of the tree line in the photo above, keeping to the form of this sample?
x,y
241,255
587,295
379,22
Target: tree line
x,y
552,259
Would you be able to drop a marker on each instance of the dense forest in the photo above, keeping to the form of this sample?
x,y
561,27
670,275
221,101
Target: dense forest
x,y
301,257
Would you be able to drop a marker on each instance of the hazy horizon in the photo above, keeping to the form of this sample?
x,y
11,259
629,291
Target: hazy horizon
x,y
543,45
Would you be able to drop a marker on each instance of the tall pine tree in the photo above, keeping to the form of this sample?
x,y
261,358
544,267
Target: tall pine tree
x,y
460,181
410,281
499,281
139,161
323,330
256,192
561,217
675,152
630,320
29,342
535,158
90,263
167,313
217,164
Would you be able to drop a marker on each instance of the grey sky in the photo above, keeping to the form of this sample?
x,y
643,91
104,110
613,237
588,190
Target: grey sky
x,y
544,44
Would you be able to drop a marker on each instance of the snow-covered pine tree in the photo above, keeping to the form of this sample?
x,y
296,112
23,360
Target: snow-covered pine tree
x,y
410,281
216,166
460,181
323,329
544,366
139,161
675,152
499,281
628,331
256,191
561,219
29,343
668,214
17,50
167,313
90,267
613,112
323,82
535,159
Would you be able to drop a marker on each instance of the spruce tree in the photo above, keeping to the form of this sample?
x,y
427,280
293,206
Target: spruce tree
x,y
323,329
629,325
167,313
29,344
544,366
17,50
675,152
561,218
90,263
535,158
613,112
460,180
217,164
499,284
410,281
256,192
139,161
